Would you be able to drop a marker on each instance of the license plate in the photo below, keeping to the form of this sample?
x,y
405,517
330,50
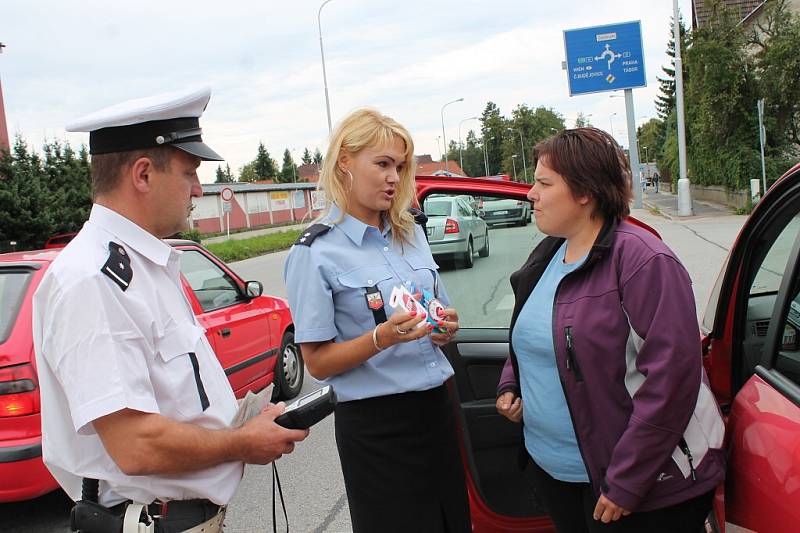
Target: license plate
x,y
429,231
498,213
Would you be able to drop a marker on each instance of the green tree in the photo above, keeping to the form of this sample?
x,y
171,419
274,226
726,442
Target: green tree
x,y
264,166
307,158
289,169
648,136
493,132
224,176
248,174
777,65
582,121
317,157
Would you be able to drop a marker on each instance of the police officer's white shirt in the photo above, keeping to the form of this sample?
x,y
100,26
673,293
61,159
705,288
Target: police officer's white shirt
x,y
100,350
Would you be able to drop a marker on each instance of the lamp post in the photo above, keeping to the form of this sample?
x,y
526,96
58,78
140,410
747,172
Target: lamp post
x,y
444,135
324,75
611,120
514,164
524,164
460,152
485,156
439,146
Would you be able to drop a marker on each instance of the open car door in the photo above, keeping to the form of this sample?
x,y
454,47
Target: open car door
x,y
753,361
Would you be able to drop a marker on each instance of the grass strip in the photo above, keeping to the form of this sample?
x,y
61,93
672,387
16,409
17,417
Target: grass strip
x,y
238,249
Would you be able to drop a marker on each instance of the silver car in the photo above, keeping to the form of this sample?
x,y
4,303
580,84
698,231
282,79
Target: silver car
x,y
505,211
455,230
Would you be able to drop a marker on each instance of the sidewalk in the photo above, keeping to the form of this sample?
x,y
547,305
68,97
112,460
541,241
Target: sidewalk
x,y
255,233
666,204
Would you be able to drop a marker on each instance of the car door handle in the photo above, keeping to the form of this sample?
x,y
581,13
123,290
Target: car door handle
x,y
225,332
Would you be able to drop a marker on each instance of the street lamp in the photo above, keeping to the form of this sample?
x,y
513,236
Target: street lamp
x,y
444,135
460,153
522,144
324,75
514,164
439,147
611,120
485,156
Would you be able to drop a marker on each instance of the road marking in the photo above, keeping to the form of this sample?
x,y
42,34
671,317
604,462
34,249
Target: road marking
x,y
506,303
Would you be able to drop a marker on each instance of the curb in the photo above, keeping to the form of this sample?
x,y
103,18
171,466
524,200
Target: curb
x,y
654,207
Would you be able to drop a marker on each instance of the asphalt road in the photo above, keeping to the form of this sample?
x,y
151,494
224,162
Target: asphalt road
x,y
310,477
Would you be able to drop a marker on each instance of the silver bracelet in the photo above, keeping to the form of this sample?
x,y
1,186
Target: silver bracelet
x,y
375,338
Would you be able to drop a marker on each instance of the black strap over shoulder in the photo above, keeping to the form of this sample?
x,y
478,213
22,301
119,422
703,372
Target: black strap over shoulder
x,y
420,218
311,233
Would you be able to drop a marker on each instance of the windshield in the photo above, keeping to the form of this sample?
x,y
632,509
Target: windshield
x,y
13,284
437,209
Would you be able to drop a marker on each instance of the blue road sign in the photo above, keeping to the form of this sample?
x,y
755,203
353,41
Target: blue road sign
x,y
604,58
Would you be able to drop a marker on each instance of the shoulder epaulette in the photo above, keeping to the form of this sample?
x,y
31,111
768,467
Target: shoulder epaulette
x,y
419,217
118,266
311,233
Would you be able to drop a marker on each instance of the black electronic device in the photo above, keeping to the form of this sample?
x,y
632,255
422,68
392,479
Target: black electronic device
x,y
308,410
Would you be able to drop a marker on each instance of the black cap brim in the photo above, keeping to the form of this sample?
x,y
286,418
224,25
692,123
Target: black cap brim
x,y
199,149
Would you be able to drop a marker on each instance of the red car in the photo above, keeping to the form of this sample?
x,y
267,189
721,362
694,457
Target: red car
x,y
751,353
252,335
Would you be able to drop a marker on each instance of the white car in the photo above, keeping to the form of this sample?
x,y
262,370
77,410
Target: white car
x,y
455,230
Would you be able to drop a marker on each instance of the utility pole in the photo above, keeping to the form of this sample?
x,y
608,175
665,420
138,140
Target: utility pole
x,y
684,192
4,142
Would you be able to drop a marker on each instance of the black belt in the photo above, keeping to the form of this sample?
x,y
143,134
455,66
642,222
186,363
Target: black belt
x,y
188,513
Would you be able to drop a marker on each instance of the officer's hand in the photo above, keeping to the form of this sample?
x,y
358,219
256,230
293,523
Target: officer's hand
x,y
402,327
449,324
265,440
509,406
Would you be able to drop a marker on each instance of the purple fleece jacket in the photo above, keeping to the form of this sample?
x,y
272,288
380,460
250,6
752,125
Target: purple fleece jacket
x,y
628,353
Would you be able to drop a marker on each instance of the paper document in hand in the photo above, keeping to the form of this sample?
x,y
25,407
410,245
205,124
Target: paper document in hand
x,y
251,405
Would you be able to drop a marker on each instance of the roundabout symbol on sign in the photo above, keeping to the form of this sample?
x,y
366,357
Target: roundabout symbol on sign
x,y
227,194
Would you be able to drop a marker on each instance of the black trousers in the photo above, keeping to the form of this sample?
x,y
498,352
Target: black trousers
x,y
401,463
571,506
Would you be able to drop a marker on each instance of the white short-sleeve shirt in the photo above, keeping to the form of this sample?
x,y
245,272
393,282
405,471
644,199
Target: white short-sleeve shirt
x,y
100,349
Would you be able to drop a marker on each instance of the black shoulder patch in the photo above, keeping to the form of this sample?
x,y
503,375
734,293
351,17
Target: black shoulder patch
x,y
118,266
311,233
419,217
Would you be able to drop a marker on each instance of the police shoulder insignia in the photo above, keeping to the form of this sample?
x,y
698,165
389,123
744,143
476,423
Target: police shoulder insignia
x,y
311,233
118,266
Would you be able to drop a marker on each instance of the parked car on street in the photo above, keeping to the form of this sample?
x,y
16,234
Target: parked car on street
x,y
751,354
252,335
505,211
59,241
455,230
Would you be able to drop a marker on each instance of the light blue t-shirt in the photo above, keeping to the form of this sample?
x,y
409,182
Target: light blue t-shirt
x,y
549,434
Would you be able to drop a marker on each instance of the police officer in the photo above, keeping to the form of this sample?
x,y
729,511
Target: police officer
x,y
132,393
394,423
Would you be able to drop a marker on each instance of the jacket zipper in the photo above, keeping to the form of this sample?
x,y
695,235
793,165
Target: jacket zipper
x,y
688,453
572,359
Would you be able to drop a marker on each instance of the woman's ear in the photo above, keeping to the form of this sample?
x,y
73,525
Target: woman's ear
x,y
343,160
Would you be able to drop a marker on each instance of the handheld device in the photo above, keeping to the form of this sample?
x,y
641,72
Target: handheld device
x,y
308,410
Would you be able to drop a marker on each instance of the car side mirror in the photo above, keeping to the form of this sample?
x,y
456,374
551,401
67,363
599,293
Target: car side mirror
x,y
481,213
253,289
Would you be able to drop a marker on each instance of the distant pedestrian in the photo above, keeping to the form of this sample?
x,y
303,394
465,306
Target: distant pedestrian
x,y
656,179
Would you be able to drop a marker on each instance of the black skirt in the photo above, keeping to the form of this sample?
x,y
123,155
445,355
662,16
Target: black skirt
x,y
401,463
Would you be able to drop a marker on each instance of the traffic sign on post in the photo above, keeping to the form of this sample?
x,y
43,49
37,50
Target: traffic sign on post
x,y
604,58
227,194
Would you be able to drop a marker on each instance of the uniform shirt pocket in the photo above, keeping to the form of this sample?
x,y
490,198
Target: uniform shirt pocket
x,y
351,299
177,351
425,276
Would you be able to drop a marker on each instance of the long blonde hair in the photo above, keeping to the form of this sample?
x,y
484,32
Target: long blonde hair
x,y
365,128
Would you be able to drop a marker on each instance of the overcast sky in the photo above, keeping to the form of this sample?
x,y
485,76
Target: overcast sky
x,y
262,59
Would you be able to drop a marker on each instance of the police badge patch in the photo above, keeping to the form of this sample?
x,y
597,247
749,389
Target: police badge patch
x,y
118,266
374,300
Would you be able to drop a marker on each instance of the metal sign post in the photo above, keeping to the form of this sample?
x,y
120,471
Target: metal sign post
x,y
227,196
609,58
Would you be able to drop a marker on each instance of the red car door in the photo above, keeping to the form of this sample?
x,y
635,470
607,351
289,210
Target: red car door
x,y
753,359
237,325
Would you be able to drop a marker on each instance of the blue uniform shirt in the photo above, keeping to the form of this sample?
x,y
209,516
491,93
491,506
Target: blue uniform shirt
x,y
326,284
548,431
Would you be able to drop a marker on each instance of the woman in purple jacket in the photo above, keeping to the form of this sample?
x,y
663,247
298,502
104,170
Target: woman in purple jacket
x,y
620,429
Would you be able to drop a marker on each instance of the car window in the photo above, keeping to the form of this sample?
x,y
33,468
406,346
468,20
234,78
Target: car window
x,y
437,208
212,286
481,293
770,273
13,285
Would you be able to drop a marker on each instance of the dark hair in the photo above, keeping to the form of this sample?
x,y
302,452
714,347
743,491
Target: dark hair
x,y
108,168
592,164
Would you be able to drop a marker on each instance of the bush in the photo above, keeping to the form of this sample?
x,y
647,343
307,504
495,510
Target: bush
x,y
237,250
191,235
